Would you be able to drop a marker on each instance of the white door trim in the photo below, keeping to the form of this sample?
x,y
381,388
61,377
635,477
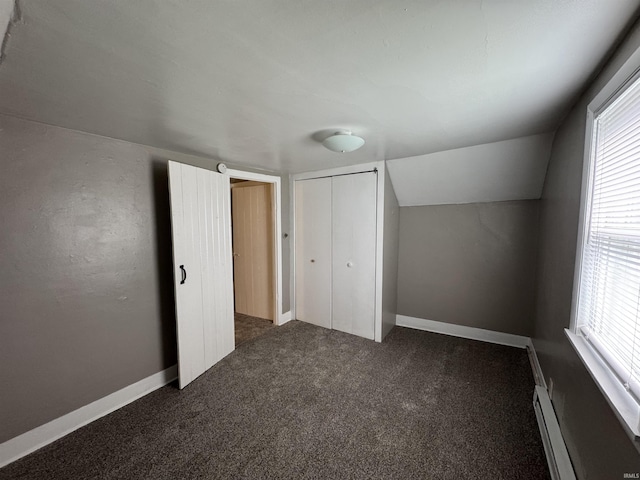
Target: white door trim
x,y
277,211
381,166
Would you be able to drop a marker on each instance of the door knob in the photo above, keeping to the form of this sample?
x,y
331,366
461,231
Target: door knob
x,y
349,264
313,261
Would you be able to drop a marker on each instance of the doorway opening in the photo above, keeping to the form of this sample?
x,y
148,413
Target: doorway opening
x,y
256,254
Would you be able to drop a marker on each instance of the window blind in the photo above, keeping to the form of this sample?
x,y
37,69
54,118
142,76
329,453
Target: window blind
x,y
609,294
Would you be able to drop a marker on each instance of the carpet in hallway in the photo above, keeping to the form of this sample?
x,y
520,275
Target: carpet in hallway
x,y
248,327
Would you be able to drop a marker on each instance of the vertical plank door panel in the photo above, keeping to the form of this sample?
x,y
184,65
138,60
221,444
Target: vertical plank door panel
x,y
186,235
201,232
223,268
207,220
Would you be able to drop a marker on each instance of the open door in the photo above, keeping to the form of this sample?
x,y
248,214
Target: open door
x,y
252,220
203,275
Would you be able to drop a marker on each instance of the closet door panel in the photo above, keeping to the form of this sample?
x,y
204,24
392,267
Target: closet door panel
x,y
313,251
354,253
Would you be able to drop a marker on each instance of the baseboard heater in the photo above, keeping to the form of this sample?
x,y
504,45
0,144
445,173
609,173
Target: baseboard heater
x,y
554,447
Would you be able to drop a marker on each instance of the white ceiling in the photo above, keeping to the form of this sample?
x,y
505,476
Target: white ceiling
x,y
493,172
258,82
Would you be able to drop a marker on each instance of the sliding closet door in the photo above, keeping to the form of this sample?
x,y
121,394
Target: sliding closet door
x,y
313,251
201,228
354,253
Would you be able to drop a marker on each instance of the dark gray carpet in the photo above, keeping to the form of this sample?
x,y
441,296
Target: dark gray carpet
x,y
304,402
248,328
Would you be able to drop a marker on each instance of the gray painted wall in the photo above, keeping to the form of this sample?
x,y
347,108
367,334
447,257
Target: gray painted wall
x,y
87,283
472,264
390,256
598,446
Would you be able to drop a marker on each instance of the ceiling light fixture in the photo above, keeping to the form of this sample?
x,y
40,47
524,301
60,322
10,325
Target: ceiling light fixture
x,y
343,142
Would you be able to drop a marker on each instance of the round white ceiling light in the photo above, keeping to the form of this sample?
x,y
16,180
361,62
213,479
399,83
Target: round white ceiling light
x,y
343,142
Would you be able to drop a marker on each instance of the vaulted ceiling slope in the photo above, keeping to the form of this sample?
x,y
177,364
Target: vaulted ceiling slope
x,y
7,8
493,172
258,82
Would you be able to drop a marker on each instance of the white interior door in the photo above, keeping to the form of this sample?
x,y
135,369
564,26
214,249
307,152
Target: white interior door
x,y
354,253
201,229
313,251
253,265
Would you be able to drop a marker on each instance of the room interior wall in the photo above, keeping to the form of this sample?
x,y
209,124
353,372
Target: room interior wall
x,y
471,264
597,444
87,283
390,256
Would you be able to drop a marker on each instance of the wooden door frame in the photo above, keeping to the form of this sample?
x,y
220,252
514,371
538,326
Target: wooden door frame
x,y
360,168
278,318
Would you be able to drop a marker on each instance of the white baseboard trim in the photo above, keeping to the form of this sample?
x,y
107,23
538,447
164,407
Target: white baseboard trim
x,y
30,441
461,331
285,317
535,366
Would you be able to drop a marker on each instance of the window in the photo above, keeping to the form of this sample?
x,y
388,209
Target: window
x,y
607,299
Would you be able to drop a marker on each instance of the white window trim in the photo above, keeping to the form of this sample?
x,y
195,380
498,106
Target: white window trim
x,y
623,405
625,408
